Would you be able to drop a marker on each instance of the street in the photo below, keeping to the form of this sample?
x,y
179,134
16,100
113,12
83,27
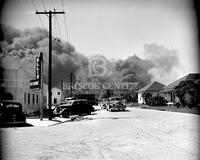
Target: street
x,y
135,134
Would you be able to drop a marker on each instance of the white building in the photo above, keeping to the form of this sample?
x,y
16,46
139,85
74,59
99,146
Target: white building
x,y
56,96
152,88
17,83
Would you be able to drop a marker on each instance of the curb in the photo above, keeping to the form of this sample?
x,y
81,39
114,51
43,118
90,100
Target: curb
x,y
56,120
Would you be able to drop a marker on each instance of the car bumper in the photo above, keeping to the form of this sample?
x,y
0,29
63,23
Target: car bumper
x,y
16,122
117,108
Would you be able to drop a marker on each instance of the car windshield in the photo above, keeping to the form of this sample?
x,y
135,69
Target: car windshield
x,y
69,102
104,100
12,106
83,102
115,99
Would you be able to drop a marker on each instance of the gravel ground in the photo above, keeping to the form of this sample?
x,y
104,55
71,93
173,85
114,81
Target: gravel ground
x,y
136,134
194,110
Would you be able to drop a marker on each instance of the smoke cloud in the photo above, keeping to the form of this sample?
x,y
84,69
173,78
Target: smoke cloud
x,y
19,49
135,69
164,61
158,65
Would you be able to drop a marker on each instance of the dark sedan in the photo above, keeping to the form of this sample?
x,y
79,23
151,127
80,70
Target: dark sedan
x,y
11,112
73,107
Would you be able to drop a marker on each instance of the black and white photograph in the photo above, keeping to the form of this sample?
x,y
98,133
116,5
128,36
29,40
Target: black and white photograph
x,y
99,80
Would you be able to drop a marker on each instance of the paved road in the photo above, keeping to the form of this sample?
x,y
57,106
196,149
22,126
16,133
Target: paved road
x,y
137,134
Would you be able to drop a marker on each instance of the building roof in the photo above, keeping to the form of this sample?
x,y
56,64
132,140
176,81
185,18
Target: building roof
x,y
171,86
153,87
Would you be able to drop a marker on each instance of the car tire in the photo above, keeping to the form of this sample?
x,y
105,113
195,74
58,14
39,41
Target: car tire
x,y
65,114
89,113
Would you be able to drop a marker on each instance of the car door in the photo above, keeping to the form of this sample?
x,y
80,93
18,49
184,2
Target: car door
x,y
83,106
75,107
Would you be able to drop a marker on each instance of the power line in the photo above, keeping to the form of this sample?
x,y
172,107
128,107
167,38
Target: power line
x,y
58,25
54,32
56,35
41,21
38,14
34,5
65,21
43,5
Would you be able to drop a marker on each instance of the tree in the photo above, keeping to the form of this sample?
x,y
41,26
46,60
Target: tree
x,y
158,101
186,92
147,97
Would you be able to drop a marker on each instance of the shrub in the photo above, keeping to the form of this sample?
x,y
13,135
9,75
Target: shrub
x,y
157,101
154,101
186,93
147,97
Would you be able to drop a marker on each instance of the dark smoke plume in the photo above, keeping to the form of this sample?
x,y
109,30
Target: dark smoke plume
x,y
135,69
158,65
20,47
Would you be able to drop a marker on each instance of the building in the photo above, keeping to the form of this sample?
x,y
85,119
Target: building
x,y
169,91
56,96
152,88
17,84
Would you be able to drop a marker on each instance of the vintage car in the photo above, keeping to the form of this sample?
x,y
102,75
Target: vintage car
x,y
73,107
115,103
11,112
116,106
103,103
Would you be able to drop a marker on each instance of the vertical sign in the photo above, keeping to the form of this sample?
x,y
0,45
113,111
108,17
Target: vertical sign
x,y
38,69
36,83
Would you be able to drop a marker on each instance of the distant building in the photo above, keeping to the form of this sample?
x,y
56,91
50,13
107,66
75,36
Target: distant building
x,y
169,91
17,84
56,96
152,88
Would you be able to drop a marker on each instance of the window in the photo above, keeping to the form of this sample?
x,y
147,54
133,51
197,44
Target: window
x,y
24,97
37,98
58,93
33,98
28,97
55,100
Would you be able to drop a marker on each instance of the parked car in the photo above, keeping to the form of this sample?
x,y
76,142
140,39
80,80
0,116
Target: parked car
x,y
72,107
103,103
116,106
11,112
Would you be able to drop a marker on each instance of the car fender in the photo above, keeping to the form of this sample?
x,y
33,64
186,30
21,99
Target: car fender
x,y
64,109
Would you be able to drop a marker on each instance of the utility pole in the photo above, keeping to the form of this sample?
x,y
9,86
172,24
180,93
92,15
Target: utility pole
x,y
62,96
41,83
50,14
71,81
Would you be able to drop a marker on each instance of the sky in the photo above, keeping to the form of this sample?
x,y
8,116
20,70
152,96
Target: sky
x,y
116,29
